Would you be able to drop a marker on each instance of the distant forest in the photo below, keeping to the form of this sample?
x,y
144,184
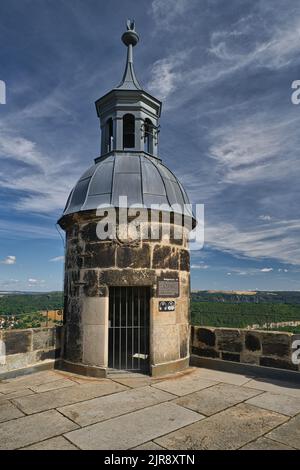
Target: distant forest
x,y
17,304
280,297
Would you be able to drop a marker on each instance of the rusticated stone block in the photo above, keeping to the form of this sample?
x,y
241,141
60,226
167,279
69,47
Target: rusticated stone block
x,y
229,340
165,257
88,232
184,260
233,357
276,344
73,312
277,363
50,354
73,277
103,291
100,255
184,340
206,336
133,257
252,342
127,277
73,342
177,235
205,352
17,341
91,283
250,357
73,255
43,338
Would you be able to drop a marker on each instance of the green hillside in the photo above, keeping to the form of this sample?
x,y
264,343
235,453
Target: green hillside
x,y
17,304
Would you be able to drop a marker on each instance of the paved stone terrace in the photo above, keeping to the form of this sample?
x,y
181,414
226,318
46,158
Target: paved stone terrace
x,y
197,409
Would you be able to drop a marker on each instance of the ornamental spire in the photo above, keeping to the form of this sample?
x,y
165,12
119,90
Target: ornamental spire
x,y
130,38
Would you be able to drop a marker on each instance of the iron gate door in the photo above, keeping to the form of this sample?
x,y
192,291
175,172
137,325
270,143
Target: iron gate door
x,y
129,314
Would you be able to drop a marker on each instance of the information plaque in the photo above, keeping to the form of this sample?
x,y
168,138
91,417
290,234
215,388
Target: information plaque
x,y
167,287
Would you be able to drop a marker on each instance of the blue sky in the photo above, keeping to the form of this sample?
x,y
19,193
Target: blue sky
x,y
228,129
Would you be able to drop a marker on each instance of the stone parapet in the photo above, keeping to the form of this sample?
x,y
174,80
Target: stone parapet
x,y
26,348
257,347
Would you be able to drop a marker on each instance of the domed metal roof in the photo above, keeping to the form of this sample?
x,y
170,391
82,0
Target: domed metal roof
x,y
144,180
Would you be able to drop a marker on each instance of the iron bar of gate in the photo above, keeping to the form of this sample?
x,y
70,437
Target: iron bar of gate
x,y
139,328
145,323
126,326
120,328
132,327
114,327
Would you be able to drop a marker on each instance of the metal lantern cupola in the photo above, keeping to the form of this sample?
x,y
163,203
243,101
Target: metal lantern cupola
x,y
127,300
128,115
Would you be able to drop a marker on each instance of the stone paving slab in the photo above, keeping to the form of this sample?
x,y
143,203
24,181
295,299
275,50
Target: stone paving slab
x,y
217,398
184,385
129,431
110,406
148,446
227,430
225,377
276,386
263,443
34,377
66,396
133,382
24,431
9,411
62,383
288,433
283,404
11,385
23,392
56,443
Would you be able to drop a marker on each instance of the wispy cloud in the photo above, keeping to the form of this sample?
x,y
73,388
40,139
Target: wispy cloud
x,y
57,258
253,149
167,13
279,241
10,259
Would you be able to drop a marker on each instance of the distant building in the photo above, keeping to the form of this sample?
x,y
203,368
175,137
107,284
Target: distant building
x,y
127,286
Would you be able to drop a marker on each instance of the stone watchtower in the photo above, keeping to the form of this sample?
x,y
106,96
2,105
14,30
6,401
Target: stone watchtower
x,y
127,268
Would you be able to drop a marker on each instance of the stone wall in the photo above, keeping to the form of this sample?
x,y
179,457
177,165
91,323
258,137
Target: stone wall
x,y
30,347
93,265
263,348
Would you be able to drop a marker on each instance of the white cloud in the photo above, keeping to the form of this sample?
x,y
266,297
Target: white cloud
x,y
9,260
279,240
252,150
165,12
265,217
32,282
57,258
266,270
19,148
230,50
165,75
45,185
199,266
16,230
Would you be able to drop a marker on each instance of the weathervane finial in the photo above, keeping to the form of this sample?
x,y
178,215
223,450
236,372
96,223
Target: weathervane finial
x,y
130,37
130,25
